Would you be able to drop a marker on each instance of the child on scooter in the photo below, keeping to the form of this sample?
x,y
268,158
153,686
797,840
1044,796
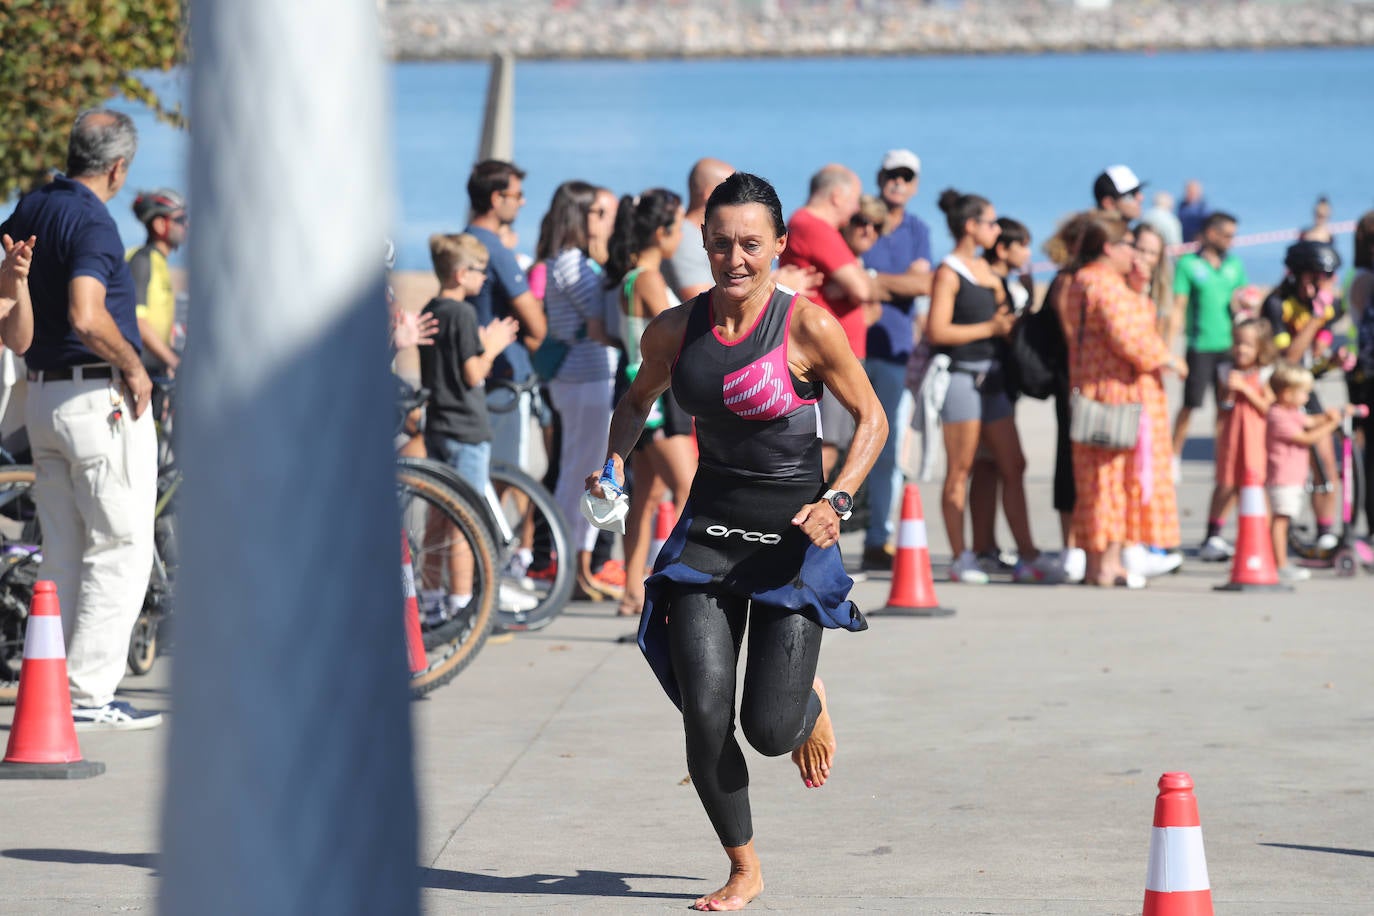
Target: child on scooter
x,y
1291,433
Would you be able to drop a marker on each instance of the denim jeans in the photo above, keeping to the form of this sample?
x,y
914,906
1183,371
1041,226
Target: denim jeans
x,y
885,480
472,460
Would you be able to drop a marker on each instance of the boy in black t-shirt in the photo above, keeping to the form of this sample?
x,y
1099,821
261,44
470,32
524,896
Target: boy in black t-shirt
x,y
457,430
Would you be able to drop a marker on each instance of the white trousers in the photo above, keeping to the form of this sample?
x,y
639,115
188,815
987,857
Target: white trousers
x,y
95,487
584,410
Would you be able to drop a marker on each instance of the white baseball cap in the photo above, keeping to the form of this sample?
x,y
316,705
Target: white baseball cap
x,y
1116,181
901,159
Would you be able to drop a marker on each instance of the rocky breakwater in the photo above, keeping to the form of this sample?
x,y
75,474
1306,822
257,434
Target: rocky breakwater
x,y
451,29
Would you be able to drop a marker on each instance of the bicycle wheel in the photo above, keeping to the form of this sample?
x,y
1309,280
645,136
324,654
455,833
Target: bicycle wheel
x,y
440,525
532,595
18,570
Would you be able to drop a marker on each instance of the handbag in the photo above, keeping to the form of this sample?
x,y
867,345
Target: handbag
x,y
1109,426
549,357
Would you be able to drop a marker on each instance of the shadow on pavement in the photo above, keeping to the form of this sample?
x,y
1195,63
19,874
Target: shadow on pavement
x,y
146,860
583,884
1366,853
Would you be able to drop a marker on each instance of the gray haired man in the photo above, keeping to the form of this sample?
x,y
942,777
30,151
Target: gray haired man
x,y
94,447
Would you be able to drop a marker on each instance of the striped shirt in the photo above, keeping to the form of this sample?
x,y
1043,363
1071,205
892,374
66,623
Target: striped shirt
x,y
576,294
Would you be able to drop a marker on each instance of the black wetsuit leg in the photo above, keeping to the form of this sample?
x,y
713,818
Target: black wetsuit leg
x,y
780,708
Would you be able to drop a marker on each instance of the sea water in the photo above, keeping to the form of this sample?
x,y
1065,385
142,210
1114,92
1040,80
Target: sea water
x,y
1265,131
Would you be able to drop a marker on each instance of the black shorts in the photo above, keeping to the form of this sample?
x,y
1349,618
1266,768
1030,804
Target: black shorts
x,y
1202,374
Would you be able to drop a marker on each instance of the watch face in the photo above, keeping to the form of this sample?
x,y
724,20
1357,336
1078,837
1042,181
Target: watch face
x,y
842,502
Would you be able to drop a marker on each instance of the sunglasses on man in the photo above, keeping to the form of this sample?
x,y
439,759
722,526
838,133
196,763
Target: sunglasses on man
x,y
902,174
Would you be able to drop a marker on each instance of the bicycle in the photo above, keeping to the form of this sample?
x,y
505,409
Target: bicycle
x,y
526,525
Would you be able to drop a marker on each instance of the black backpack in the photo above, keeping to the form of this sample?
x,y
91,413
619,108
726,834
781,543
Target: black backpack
x,y
1036,353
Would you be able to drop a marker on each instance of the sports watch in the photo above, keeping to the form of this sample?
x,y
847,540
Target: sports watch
x,y
841,502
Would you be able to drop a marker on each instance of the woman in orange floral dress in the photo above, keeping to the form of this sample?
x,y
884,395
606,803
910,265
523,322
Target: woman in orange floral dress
x,y
1113,347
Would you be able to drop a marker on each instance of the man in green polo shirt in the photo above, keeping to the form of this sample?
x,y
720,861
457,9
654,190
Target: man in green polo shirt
x,y
1206,285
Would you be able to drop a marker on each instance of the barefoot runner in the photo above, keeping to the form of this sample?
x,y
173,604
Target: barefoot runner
x,y
749,360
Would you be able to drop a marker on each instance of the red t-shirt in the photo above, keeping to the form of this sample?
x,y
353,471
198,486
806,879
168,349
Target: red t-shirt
x,y
812,242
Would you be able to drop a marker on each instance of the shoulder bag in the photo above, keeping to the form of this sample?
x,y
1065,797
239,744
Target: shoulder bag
x,y
1109,426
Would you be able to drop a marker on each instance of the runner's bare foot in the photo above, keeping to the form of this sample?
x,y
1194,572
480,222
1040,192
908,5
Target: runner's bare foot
x,y
816,754
746,882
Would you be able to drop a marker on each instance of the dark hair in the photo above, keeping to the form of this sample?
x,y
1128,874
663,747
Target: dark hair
x,y
99,139
1012,231
960,208
1364,243
636,221
1216,218
488,177
744,188
1101,230
565,225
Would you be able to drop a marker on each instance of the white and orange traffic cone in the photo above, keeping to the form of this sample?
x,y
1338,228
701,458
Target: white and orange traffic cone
x,y
1176,883
664,520
913,587
1253,569
415,640
42,741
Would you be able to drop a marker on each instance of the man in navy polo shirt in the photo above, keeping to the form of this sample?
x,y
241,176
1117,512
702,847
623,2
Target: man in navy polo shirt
x,y
94,447
496,194
900,261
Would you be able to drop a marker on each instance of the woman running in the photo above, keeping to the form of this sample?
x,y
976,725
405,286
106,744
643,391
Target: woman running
x,y
757,541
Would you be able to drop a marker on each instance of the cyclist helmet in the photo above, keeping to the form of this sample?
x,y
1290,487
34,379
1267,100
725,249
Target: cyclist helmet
x,y
1308,257
158,202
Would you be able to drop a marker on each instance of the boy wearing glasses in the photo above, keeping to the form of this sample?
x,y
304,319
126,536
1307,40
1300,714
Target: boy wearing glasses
x,y
163,213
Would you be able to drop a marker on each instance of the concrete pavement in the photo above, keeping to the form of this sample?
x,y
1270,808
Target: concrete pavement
x,y
1000,761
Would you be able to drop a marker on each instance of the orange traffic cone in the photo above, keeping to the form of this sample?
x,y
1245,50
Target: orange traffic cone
x,y
1253,569
913,589
663,526
43,738
1177,884
415,640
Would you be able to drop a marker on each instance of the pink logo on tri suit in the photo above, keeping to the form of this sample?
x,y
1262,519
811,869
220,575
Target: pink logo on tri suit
x,y
762,389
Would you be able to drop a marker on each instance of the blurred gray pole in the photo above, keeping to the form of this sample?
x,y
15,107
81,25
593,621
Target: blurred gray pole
x,y
290,787
498,121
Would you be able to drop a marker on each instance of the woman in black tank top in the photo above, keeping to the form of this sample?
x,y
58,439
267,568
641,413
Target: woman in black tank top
x,y
757,543
968,315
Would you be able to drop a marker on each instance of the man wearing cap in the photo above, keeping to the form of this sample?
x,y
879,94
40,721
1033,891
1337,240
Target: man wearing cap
x,y
94,449
900,261
163,213
1117,190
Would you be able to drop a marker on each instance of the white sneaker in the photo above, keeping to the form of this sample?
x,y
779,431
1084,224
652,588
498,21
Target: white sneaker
x,y
1215,550
1074,562
510,598
965,569
1159,564
1294,574
1142,561
115,715
1327,542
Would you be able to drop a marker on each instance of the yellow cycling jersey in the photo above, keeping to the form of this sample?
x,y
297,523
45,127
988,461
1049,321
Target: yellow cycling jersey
x,y
156,302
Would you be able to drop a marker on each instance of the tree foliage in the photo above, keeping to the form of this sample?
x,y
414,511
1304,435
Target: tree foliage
x,y
60,57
